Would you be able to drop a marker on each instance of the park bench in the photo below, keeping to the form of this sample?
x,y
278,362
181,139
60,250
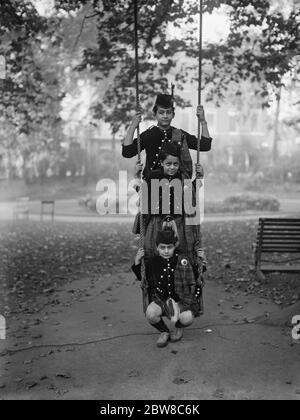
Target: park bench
x,y
47,207
281,238
21,208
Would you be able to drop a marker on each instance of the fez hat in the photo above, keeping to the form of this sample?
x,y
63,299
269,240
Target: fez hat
x,y
166,237
165,101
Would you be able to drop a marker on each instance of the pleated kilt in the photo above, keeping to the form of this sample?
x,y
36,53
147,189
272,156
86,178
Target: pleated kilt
x,y
189,239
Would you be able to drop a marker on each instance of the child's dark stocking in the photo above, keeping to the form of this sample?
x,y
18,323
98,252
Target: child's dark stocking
x,y
161,326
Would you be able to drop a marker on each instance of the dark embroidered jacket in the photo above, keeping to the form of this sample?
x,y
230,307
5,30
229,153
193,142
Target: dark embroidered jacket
x,y
175,278
152,141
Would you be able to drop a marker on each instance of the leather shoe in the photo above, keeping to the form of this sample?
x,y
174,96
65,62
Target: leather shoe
x,y
176,335
163,339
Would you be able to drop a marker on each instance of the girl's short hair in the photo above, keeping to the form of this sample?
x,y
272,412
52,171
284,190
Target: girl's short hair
x,y
172,149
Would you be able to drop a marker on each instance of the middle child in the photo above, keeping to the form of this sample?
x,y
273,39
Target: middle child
x,y
165,204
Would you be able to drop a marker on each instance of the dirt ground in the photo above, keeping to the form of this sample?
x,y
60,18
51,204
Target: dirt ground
x,y
75,327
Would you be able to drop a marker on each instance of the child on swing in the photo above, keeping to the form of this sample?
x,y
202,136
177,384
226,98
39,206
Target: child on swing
x,y
173,289
169,201
155,138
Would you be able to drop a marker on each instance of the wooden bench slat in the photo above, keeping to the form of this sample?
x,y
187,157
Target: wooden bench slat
x,y
279,220
279,226
292,238
279,231
284,231
279,241
281,248
280,268
286,251
281,245
280,237
277,236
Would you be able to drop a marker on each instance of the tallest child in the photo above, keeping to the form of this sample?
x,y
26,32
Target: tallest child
x,y
155,138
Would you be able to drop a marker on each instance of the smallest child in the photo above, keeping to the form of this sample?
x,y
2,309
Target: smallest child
x,y
173,292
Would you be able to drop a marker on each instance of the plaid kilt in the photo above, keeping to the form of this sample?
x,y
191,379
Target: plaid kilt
x,y
187,287
185,156
189,241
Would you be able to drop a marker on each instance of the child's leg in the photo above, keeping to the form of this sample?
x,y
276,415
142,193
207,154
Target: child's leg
x,y
186,318
154,316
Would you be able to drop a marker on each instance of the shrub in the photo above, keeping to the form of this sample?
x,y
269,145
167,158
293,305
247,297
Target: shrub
x,y
241,202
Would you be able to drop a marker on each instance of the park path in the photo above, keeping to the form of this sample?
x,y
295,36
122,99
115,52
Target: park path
x,y
70,211
92,342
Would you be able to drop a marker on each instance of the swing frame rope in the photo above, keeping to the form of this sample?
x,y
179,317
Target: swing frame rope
x,y
199,76
200,265
144,284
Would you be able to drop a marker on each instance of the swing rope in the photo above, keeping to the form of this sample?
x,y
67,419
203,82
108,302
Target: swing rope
x,y
200,265
199,77
144,284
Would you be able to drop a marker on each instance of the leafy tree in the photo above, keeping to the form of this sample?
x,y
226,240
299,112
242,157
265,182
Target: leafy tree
x,y
30,96
113,56
261,47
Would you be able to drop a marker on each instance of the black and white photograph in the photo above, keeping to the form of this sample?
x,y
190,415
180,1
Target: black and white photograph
x,y
149,202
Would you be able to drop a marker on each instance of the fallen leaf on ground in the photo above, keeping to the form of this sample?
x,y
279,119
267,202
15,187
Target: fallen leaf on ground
x,y
134,374
237,306
219,393
180,381
31,384
63,375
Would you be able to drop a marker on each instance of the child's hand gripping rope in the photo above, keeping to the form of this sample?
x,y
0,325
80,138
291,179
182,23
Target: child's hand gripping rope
x,y
199,170
203,262
140,254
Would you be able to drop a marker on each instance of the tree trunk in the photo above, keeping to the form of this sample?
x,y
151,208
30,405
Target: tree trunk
x,y
113,144
276,126
9,164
